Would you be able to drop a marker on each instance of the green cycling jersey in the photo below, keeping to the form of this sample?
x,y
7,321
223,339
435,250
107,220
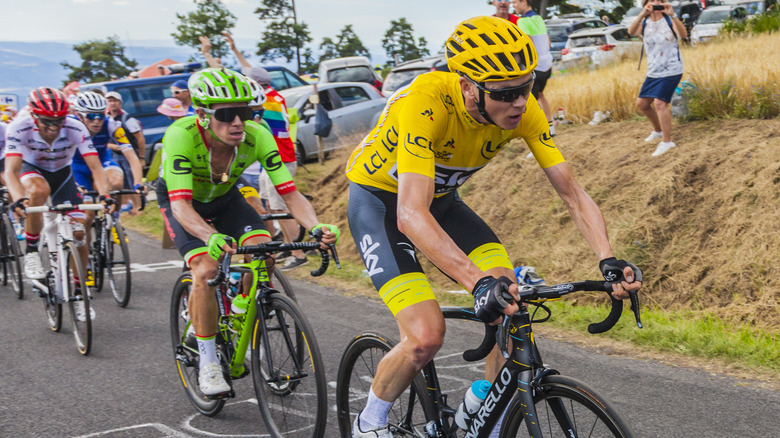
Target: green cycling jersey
x,y
186,166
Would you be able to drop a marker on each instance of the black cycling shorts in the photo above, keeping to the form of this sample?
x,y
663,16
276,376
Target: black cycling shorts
x,y
229,214
540,82
62,184
390,257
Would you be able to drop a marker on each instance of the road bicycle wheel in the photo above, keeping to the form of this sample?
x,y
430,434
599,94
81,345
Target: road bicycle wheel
x,y
97,257
52,306
118,265
12,258
282,284
79,296
566,407
287,370
410,412
186,356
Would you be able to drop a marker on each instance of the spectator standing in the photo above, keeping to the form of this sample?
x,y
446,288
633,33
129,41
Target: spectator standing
x,y
180,91
135,135
660,30
502,11
533,25
161,70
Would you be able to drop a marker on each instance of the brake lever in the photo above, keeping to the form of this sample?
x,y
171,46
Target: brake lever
x,y
635,307
335,255
502,336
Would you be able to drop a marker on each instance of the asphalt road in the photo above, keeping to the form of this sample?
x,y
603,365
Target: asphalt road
x,y
128,386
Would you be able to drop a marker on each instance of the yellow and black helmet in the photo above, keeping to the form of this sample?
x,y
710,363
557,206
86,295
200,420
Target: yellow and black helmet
x,y
490,49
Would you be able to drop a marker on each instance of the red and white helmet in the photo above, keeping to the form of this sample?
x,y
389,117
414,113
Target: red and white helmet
x,y
48,102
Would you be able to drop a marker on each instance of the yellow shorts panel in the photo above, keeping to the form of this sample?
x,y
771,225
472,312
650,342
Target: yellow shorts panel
x,y
491,255
405,290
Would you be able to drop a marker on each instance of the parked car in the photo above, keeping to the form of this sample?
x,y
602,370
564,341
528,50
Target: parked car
x,y
140,98
349,69
353,107
753,8
603,45
631,15
711,21
406,71
560,28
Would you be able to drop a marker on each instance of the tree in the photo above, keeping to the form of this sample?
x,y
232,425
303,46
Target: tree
x,y
209,19
348,43
101,61
283,37
399,42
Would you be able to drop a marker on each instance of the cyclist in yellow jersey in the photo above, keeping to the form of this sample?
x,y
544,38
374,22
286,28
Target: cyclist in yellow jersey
x,y
431,137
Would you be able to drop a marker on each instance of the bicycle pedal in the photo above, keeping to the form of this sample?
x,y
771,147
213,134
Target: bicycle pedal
x,y
186,360
229,394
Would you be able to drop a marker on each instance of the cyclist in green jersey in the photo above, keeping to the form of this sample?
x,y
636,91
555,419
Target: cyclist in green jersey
x,y
203,156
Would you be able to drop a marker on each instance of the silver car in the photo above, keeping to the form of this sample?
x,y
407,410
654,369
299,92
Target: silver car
x,y
353,107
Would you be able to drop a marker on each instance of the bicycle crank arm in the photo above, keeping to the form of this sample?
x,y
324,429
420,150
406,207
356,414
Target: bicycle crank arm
x,y
287,378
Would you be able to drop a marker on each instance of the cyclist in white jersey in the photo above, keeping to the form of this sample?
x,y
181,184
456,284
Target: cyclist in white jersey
x,y
39,152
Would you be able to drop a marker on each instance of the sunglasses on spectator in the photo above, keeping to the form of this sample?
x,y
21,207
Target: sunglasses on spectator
x,y
178,91
509,94
258,114
52,122
93,116
229,114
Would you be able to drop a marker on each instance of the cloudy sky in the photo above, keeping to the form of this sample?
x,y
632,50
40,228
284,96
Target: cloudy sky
x,y
134,21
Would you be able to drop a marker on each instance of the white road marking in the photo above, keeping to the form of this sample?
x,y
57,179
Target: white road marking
x,y
167,431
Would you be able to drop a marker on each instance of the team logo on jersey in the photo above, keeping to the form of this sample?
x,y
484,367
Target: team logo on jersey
x,y
367,248
546,140
448,104
428,113
272,162
418,141
442,155
448,178
450,144
489,150
181,165
409,249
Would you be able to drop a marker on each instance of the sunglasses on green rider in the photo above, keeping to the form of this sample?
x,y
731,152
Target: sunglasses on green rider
x,y
229,114
509,94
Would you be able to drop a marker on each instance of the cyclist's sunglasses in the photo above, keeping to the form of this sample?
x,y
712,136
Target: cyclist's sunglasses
x,y
93,116
229,114
59,122
509,94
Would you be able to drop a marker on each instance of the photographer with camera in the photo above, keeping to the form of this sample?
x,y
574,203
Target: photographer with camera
x,y
661,31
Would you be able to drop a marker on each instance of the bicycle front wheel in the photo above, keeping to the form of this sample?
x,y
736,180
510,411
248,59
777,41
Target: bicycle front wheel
x,y
97,257
566,407
80,311
118,265
287,370
12,258
282,284
185,348
410,412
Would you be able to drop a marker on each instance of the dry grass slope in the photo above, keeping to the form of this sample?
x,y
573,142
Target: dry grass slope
x,y
701,220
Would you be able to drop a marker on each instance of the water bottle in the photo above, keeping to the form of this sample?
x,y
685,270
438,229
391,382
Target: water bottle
x,y
238,307
471,402
234,281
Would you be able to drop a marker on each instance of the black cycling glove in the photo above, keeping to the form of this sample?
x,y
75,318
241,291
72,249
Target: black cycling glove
x,y
612,270
488,300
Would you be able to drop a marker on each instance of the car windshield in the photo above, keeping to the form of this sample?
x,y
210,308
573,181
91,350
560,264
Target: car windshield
x,y
558,34
358,73
396,78
293,95
587,41
753,8
710,16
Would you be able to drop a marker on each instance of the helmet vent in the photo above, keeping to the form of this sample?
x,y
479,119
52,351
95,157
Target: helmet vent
x,y
487,39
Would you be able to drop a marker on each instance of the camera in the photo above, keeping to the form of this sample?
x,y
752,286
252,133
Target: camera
x,y
658,7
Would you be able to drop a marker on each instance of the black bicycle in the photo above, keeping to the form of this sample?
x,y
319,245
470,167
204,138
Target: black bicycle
x,y
10,252
541,402
109,253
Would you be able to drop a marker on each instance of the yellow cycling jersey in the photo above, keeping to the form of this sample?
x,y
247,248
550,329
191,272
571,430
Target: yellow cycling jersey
x,y
425,129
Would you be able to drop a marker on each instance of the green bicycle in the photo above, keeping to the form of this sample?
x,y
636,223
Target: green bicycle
x,y
274,337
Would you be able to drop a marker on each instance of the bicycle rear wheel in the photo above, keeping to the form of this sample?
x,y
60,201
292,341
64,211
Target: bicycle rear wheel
x,y
12,258
52,306
185,351
287,370
410,412
118,265
566,407
97,256
79,296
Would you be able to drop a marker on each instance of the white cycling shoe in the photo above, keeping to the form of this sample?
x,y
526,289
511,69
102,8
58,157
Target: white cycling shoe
x,y
381,432
211,380
33,268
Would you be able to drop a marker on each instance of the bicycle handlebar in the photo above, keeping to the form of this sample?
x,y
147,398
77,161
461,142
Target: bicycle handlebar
x,y
113,193
276,216
62,208
529,293
274,247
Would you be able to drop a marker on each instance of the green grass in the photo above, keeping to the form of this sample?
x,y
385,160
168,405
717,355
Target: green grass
x,y
149,221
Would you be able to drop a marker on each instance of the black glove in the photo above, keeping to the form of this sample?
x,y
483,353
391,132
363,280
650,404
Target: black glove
x,y
109,200
612,270
488,300
19,203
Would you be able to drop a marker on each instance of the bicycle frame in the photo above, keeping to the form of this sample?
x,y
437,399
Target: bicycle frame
x,y
58,230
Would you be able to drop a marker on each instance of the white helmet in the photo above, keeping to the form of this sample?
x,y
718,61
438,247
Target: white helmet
x,y
258,92
90,102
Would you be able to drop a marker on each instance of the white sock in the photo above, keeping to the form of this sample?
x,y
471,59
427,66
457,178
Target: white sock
x,y
374,415
207,349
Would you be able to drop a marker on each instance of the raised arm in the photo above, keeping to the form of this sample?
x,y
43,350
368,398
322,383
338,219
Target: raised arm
x,y
239,56
205,50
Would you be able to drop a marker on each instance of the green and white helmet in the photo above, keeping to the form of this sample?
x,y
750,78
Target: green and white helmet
x,y
219,85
